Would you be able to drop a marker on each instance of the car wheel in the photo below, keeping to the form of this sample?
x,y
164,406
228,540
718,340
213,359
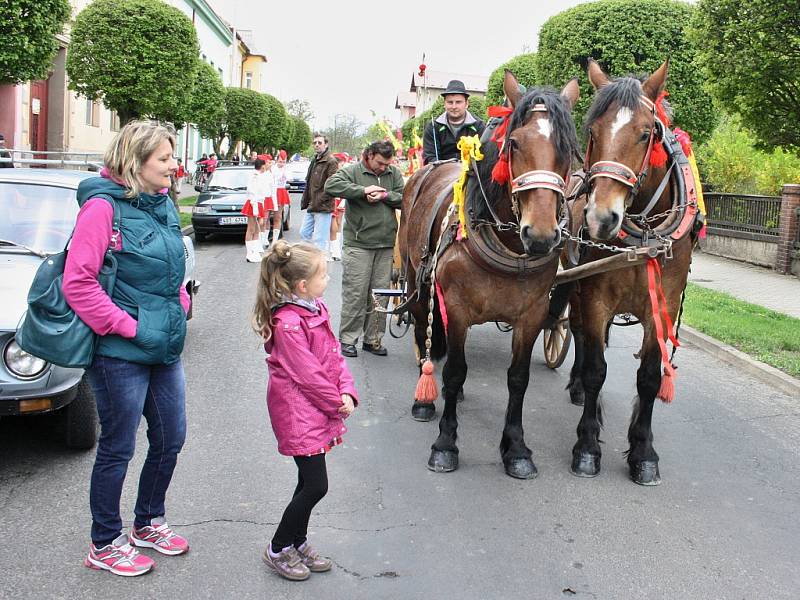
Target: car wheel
x,y
80,418
199,236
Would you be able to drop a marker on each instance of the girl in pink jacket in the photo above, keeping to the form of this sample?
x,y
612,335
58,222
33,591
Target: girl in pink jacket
x,y
310,391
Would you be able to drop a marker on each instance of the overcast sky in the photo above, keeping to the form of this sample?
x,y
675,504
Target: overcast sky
x,y
352,56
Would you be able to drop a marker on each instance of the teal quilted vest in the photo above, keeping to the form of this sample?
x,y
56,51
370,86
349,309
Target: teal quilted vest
x,y
150,269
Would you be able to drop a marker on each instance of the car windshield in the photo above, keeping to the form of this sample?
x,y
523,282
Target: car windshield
x,y
230,178
38,217
297,169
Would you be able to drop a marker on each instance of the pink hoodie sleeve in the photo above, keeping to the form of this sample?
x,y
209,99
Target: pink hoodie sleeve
x,y
90,240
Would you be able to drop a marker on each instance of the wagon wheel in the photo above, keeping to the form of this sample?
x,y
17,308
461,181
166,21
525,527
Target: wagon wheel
x,y
557,340
399,324
504,327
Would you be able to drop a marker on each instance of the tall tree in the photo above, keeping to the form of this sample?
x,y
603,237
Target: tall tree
x,y
628,37
750,50
28,34
207,109
271,130
301,136
300,108
135,55
244,116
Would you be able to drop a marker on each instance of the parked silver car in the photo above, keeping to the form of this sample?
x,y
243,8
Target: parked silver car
x,y
37,214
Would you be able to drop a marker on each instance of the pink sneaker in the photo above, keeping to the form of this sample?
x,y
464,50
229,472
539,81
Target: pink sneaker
x,y
119,557
159,537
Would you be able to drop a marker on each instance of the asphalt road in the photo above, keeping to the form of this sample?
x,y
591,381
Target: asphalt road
x,y
723,524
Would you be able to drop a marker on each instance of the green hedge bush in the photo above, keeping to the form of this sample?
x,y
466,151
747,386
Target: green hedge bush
x,y
628,36
524,69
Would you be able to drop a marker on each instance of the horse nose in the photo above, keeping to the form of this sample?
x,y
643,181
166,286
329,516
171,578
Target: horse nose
x,y
536,246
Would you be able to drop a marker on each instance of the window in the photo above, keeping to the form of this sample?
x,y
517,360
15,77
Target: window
x,y
93,113
114,120
248,80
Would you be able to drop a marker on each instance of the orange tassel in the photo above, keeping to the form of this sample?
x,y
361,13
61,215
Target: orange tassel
x,y
666,393
658,156
427,391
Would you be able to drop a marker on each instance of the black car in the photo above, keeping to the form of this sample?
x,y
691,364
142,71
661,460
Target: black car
x,y
296,172
219,206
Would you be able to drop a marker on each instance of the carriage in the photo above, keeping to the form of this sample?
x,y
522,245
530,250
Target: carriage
x,y
509,214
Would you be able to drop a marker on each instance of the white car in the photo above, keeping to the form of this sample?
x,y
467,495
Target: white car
x,y
38,209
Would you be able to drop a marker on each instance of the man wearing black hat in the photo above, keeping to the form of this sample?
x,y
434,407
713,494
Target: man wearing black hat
x,y
442,134
4,153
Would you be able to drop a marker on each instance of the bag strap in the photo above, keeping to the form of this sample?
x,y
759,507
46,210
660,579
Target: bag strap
x,y
115,224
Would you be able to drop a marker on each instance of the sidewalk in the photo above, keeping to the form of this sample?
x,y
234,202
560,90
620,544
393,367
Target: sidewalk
x,y
750,283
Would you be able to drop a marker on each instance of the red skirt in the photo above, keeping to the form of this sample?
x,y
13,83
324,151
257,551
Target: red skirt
x,y
283,197
268,206
252,209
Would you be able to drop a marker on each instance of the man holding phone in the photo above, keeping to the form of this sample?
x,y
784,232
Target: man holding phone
x,y
373,189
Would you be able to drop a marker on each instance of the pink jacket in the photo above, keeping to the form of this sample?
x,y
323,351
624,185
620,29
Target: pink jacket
x,y
307,377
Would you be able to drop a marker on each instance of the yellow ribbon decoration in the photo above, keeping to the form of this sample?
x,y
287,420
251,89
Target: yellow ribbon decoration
x,y
701,205
470,147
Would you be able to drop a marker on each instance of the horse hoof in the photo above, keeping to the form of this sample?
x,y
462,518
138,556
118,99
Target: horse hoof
x,y
585,465
423,411
521,468
443,461
645,473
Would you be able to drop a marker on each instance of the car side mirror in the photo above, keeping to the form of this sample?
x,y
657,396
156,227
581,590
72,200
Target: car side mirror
x,y
198,188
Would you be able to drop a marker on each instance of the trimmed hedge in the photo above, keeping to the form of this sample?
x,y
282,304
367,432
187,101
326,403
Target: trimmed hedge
x,y
628,36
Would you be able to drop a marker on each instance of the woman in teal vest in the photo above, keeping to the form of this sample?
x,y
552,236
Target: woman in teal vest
x,y
141,326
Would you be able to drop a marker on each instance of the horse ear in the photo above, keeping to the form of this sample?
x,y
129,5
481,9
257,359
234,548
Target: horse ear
x,y
596,75
571,92
655,83
511,88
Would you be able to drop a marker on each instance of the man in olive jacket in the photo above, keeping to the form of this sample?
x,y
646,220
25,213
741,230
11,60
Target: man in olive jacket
x,y
373,189
316,202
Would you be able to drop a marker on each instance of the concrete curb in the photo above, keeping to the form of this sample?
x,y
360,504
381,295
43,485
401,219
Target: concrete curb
x,y
785,383
188,230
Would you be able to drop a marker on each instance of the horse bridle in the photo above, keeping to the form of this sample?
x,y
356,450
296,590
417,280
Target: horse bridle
x,y
537,179
620,172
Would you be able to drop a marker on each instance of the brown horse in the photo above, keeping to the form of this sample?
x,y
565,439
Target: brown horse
x,y
628,204
503,269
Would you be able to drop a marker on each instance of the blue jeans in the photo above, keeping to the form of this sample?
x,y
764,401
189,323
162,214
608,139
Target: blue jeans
x,y
125,391
316,228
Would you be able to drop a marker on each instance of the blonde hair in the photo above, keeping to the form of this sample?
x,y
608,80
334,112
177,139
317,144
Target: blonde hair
x,y
131,148
282,268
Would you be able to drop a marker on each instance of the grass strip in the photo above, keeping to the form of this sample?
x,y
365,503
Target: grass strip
x,y
188,201
764,334
186,219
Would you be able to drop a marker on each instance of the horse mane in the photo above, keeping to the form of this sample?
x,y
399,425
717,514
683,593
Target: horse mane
x,y
625,91
563,137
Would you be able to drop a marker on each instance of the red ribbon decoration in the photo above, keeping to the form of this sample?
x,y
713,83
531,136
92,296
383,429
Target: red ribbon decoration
x,y
501,172
658,304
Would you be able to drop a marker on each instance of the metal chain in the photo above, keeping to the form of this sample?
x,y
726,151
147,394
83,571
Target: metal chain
x,y
432,294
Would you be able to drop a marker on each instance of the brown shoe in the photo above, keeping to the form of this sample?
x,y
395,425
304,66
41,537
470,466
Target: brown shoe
x,y
288,564
311,559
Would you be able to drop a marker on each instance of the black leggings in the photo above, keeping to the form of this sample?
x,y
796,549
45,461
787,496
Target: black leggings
x,y
312,485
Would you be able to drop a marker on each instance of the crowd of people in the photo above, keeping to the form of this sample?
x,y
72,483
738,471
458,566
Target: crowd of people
x,y
137,369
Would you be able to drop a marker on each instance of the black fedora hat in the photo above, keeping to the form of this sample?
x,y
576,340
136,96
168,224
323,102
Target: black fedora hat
x,y
455,87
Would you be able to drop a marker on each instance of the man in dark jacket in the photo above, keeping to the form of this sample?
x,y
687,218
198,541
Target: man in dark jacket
x,y
317,203
441,136
373,189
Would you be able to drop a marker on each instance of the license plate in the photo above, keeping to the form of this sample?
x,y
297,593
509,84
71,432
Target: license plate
x,y
233,220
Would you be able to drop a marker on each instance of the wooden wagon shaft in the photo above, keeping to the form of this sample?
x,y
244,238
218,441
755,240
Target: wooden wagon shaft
x,y
604,265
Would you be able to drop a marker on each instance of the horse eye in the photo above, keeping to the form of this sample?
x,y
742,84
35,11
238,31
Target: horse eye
x,y
512,143
645,137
